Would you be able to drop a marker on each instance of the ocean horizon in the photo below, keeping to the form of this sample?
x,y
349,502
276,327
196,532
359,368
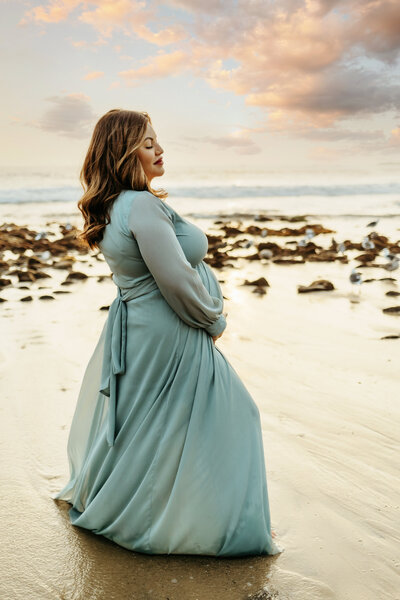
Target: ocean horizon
x,y
210,194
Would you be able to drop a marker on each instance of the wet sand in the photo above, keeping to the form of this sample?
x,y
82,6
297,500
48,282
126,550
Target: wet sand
x,y
326,385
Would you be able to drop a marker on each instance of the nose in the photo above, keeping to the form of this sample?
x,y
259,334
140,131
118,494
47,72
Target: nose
x,y
159,149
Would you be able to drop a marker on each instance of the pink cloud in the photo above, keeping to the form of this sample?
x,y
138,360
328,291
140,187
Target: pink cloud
x,y
161,65
93,75
377,26
108,16
89,45
303,62
394,139
54,12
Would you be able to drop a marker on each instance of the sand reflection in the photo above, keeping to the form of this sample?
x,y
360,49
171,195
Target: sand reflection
x,y
99,568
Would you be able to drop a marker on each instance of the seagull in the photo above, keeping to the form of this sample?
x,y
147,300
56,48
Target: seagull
x,y
310,233
341,248
367,244
373,223
40,235
303,242
387,254
264,233
392,265
355,277
45,255
266,253
248,244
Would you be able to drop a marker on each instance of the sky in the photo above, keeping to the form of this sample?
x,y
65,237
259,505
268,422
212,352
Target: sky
x,y
247,87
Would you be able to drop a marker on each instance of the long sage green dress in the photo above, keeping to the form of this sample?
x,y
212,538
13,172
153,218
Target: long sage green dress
x,y
165,447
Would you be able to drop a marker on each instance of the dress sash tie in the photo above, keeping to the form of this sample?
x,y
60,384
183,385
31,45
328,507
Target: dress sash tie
x,y
114,359
114,362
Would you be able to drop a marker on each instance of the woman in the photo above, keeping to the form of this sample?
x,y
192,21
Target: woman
x,y
165,447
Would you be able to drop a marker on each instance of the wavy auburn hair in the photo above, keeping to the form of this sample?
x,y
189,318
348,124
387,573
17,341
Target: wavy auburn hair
x,y
110,166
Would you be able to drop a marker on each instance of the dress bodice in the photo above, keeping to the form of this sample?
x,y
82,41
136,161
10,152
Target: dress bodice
x,y
120,249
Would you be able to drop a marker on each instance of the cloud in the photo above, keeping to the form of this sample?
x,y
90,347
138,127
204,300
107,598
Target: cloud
x,y
54,12
324,98
377,26
338,135
93,75
159,66
305,64
107,17
360,141
394,139
208,6
70,115
89,45
239,141
325,153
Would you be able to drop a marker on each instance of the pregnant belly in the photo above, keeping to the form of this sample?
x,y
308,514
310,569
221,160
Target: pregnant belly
x,y
151,318
209,280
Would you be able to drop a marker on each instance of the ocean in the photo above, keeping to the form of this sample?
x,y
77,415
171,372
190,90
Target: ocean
x,y
211,196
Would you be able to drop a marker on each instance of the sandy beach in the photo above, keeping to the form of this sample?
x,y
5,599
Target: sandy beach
x,y
326,384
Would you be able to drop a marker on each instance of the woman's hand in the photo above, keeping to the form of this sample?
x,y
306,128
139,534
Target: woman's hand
x,y
215,337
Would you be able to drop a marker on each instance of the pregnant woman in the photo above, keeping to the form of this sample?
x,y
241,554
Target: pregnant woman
x,y
165,447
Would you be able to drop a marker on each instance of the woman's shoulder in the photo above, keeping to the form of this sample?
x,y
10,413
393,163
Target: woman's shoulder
x,y
137,199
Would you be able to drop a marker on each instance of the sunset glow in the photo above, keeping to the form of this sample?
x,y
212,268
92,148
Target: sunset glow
x,y
246,85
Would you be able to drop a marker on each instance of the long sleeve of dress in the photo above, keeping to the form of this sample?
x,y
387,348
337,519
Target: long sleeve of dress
x,y
178,281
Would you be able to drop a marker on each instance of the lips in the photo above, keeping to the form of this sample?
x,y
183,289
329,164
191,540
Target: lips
x,y
159,161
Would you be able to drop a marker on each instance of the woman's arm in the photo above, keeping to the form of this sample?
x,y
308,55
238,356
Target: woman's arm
x,y
178,281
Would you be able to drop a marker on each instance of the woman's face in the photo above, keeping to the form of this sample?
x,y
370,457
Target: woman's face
x,y
150,154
